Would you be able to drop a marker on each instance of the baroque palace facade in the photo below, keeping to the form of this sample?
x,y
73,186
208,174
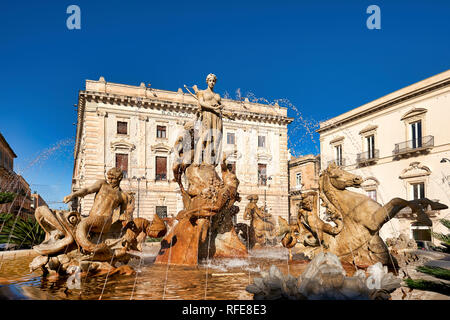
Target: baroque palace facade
x,y
135,128
400,145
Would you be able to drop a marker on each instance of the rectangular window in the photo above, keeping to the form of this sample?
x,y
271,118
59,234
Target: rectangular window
x,y
298,179
261,141
372,194
370,147
1,158
122,127
416,134
161,131
161,168
232,167
338,150
262,174
122,163
231,138
418,190
161,211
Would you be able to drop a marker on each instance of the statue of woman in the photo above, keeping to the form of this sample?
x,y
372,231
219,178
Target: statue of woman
x,y
210,134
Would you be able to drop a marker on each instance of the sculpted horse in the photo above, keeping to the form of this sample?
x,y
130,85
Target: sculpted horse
x,y
353,234
359,242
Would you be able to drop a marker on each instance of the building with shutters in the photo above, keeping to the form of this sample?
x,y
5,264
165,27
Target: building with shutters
x,y
10,181
303,177
400,145
135,127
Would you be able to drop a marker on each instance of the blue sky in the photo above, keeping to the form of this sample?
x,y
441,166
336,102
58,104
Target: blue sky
x,y
317,54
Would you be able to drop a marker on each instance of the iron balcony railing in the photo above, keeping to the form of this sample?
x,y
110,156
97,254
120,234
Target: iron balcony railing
x,y
338,162
368,156
414,145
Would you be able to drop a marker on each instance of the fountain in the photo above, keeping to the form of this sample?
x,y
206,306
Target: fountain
x,y
261,231
93,257
95,243
205,227
354,221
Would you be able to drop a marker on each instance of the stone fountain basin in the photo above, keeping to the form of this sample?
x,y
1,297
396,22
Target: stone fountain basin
x,y
219,279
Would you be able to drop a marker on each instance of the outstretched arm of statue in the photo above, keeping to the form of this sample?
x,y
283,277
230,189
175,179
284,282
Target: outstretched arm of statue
x,y
85,191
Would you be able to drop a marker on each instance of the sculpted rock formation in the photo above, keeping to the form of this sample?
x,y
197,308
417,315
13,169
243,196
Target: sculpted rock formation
x,y
99,241
142,229
325,279
405,252
204,228
354,221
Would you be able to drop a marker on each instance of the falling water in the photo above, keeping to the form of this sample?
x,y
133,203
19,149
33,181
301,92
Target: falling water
x,y
39,160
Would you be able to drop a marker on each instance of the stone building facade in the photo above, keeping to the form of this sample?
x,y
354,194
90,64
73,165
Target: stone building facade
x,y
398,144
12,182
135,128
303,177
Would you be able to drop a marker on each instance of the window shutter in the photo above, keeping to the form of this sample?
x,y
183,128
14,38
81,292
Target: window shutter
x,y
122,162
161,168
122,127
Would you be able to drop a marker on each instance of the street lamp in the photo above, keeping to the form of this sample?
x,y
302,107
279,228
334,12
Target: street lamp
x,y
138,180
444,160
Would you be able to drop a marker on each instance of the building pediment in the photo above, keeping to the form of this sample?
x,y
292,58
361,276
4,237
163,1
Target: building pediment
x,y
414,112
370,182
368,129
263,155
232,155
415,169
122,145
161,147
337,139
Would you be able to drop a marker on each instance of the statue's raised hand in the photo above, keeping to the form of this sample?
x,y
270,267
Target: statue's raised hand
x,y
67,199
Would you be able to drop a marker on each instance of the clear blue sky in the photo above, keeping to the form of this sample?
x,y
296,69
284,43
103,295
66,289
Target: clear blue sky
x,y
318,54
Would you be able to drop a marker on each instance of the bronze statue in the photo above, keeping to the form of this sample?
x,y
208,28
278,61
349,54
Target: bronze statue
x,y
205,228
261,222
108,198
354,220
210,108
142,229
97,241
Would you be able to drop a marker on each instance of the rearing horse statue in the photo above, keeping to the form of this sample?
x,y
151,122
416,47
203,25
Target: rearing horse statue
x,y
358,219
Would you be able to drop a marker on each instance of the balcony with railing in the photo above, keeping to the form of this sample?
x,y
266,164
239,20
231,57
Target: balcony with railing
x,y
338,162
414,146
367,157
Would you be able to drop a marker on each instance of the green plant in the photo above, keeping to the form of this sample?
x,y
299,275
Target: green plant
x,y
437,272
428,286
154,239
6,197
444,238
23,232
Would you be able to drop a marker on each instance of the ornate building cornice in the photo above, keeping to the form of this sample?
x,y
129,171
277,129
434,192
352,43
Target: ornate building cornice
x,y
152,99
416,90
